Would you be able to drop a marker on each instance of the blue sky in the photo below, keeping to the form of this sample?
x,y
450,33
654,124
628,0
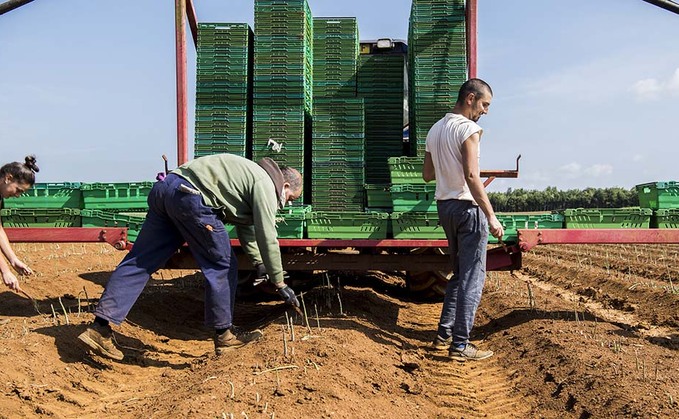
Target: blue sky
x,y
587,91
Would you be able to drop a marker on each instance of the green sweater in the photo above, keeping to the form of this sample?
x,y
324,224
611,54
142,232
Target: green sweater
x,y
244,195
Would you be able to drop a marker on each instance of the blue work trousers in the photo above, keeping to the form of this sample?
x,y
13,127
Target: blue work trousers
x,y
466,228
176,217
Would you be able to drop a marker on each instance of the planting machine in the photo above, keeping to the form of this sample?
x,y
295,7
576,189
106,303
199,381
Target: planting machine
x,y
425,260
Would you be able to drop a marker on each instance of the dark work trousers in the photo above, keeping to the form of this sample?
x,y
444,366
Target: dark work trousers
x,y
466,228
175,217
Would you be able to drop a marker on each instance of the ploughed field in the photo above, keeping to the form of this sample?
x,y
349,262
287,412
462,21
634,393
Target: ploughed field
x,y
580,331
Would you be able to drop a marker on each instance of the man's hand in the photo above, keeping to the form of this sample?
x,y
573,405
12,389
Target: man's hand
x,y
496,229
260,275
288,295
11,281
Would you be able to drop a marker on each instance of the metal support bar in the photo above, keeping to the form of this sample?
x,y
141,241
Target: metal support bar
x,y
668,5
115,236
193,21
492,174
472,38
180,45
10,5
531,238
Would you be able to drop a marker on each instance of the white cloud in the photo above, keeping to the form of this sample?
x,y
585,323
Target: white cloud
x,y
599,170
647,89
673,84
654,89
638,158
571,170
576,170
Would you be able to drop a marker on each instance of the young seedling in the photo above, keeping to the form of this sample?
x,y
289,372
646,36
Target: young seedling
x,y
318,322
285,343
306,317
233,390
64,310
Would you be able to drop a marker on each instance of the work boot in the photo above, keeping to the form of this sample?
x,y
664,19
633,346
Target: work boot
x,y
228,341
469,352
100,339
441,344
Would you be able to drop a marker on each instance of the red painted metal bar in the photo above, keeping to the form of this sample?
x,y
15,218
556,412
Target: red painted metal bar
x,y
193,21
182,121
531,238
115,236
472,38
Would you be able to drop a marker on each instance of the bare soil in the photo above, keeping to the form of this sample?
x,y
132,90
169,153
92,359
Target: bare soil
x,y
581,331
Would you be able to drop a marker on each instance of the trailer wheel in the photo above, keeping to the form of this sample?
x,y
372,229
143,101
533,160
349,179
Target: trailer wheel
x,y
431,284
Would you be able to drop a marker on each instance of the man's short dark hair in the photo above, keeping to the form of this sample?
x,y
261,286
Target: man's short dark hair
x,y
476,86
293,177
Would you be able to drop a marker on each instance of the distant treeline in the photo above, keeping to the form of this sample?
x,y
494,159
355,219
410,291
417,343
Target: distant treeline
x,y
519,200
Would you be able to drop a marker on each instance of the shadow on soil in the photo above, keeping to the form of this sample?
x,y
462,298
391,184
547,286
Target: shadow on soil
x,y
72,351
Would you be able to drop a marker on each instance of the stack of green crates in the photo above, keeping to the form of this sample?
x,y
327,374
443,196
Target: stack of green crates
x,y
40,217
335,57
290,223
633,217
223,89
121,204
513,222
381,85
338,143
438,64
45,205
347,225
282,95
338,149
103,218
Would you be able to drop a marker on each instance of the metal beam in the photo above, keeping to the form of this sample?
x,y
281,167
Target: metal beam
x,y
193,21
115,236
668,5
10,5
472,38
531,238
182,119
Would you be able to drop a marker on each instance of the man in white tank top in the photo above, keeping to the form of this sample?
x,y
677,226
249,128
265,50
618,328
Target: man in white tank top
x,y
465,213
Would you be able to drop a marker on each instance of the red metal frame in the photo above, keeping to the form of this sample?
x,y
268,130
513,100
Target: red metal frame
x,y
472,38
115,236
531,238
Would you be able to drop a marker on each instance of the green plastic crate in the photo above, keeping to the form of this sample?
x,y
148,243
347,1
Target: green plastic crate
x,y
416,225
127,196
378,196
290,223
100,218
49,195
665,218
406,170
658,195
40,217
347,225
608,217
415,198
513,222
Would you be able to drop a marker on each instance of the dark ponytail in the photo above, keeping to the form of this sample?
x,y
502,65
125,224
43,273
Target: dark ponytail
x,y
22,172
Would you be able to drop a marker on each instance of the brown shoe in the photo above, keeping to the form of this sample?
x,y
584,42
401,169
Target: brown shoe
x,y
441,344
228,341
100,339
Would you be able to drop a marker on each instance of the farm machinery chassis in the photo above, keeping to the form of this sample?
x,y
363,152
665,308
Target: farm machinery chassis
x,y
364,255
